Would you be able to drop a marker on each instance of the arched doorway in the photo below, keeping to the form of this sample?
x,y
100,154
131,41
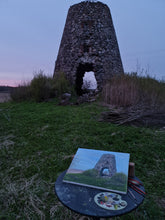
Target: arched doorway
x,y
81,71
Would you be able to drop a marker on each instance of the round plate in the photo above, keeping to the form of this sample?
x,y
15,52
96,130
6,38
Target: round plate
x,y
110,201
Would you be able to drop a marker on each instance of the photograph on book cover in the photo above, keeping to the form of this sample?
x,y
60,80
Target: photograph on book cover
x,y
99,169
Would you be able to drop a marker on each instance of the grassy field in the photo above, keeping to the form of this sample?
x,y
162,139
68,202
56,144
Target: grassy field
x,y
89,177
37,141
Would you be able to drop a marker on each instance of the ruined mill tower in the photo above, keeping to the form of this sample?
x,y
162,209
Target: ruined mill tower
x,y
88,43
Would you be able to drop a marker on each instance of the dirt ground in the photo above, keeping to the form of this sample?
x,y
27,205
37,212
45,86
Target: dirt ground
x,y
4,97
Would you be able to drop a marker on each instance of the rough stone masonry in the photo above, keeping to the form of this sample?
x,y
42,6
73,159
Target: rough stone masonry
x,y
88,43
106,166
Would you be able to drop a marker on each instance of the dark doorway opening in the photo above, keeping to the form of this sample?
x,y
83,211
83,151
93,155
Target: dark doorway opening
x,y
82,68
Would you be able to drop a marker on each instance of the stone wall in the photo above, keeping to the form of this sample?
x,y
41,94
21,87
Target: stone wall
x,y
89,43
106,166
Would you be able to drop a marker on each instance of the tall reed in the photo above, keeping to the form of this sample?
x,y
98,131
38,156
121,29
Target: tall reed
x,y
130,89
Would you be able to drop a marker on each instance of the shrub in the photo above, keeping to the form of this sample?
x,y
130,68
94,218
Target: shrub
x,y
61,84
41,87
21,93
91,173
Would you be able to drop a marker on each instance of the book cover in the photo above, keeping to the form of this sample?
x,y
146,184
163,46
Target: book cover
x,y
99,169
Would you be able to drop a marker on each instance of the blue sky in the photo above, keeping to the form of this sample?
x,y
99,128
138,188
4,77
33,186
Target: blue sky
x,y
89,158
31,31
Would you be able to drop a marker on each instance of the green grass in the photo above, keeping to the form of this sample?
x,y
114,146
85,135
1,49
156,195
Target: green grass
x,y
36,144
89,179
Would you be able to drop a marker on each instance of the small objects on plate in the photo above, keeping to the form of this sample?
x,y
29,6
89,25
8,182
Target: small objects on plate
x,y
110,201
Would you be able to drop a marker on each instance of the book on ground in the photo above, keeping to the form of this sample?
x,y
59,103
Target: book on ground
x,y
99,169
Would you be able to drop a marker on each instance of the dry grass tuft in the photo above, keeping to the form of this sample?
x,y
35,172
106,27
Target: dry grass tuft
x,y
134,100
24,193
131,90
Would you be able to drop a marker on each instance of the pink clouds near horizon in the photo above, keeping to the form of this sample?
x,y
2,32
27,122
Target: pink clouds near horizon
x,y
12,82
9,82
31,32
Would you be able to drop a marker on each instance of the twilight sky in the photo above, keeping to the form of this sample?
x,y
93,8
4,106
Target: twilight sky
x,y
31,31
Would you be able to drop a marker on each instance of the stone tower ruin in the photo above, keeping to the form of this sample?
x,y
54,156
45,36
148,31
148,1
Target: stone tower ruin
x,y
107,163
88,43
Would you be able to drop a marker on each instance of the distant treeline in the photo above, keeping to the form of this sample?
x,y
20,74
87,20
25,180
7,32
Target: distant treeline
x,y
6,88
